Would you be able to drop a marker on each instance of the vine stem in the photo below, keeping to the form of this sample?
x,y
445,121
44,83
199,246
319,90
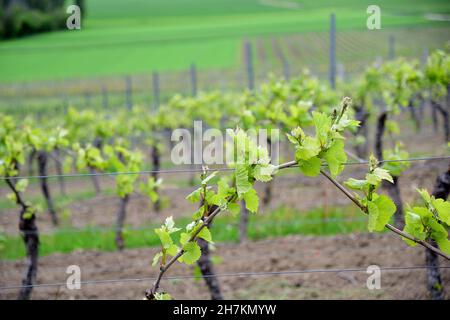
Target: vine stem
x,y
388,226
150,293
163,269
17,194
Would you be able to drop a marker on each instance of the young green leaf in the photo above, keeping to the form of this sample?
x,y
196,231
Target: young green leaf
x,y
380,212
335,157
205,234
310,167
443,209
251,200
191,253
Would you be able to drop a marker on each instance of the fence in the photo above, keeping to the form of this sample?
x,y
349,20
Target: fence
x,y
336,55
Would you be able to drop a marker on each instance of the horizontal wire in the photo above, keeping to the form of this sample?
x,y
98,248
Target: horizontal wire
x,y
168,171
221,275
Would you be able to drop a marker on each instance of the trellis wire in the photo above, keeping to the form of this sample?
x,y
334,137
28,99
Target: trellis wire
x,y
221,275
168,171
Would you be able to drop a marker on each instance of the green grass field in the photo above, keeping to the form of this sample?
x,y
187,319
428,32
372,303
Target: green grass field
x,y
137,36
281,222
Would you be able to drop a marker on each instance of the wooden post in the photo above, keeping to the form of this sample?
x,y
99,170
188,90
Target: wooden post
x,y
128,93
105,97
193,75
332,71
155,77
249,65
391,47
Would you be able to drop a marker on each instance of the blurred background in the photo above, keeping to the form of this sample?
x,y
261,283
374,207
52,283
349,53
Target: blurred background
x,y
153,49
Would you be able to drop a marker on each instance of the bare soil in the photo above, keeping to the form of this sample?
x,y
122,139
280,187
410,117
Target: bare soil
x,y
270,255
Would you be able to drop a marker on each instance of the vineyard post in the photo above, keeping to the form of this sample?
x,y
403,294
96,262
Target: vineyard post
x,y
249,65
441,190
105,97
332,66
193,76
391,47
423,100
282,57
286,69
87,99
155,80
362,115
65,103
128,93
243,223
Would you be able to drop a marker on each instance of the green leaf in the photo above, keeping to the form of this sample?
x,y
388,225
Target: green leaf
x,y
373,179
162,296
194,196
264,173
335,157
414,227
251,200
443,209
172,249
205,234
310,167
156,258
184,238
170,224
242,182
440,235
322,122
191,253
234,208
21,185
208,178
356,184
380,212
373,216
164,236
309,148
383,174
425,195
444,245
199,213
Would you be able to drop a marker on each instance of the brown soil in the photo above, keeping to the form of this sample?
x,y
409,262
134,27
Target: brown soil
x,y
280,254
